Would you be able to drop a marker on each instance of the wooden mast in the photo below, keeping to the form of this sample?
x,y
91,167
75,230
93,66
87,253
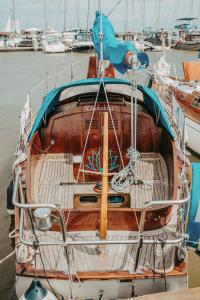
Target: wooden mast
x,y
103,223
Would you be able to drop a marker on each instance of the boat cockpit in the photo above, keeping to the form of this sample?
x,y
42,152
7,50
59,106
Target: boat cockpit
x,y
65,159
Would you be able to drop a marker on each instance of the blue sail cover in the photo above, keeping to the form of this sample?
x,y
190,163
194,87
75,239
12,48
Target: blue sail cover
x,y
193,228
113,49
151,101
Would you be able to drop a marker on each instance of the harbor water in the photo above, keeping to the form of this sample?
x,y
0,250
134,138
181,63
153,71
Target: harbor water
x,y
19,72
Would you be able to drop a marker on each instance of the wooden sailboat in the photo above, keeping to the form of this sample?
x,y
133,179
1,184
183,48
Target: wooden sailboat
x,y
186,92
95,191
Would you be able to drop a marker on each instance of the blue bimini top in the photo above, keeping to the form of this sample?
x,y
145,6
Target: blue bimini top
x,y
151,101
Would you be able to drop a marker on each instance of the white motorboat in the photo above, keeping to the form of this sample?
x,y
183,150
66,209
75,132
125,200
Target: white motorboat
x,y
52,43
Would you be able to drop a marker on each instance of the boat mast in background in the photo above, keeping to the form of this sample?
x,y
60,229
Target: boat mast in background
x,y
45,15
65,9
13,17
88,14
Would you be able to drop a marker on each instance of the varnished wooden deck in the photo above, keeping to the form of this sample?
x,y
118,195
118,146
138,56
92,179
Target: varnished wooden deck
x,y
52,170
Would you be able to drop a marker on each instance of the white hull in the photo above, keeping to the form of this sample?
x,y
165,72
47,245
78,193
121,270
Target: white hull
x,y
54,50
112,289
193,129
160,49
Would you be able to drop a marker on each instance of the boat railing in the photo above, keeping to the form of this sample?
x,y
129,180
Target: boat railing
x,y
66,240
175,114
67,74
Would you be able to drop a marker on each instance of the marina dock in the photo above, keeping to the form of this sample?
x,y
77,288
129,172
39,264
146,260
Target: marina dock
x,y
18,49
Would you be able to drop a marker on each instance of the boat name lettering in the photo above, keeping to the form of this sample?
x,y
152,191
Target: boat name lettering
x,y
98,107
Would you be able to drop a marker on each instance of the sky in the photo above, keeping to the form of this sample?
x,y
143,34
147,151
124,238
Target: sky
x,y
129,14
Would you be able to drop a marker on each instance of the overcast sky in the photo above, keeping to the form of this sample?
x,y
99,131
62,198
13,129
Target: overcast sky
x,y
135,13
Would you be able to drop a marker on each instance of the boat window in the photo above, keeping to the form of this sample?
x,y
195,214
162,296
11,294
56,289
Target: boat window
x,y
94,201
91,98
196,102
88,199
116,199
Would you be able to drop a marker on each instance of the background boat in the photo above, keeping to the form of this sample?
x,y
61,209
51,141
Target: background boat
x,y
188,35
187,94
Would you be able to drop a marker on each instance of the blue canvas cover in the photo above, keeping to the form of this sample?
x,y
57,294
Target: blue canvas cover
x,y
51,99
151,101
113,49
193,228
154,105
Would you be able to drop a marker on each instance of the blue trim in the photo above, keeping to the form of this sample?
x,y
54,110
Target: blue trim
x,y
151,101
154,105
51,99
193,225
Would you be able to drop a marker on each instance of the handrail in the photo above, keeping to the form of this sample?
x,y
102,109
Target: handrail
x,y
33,206
67,242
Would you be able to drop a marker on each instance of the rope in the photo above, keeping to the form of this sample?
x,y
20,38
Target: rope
x,y
7,257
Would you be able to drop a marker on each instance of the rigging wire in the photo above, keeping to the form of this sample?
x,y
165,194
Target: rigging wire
x,y
113,124
110,112
88,132
113,9
45,57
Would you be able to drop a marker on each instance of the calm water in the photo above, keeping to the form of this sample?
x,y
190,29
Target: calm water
x,y
19,72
